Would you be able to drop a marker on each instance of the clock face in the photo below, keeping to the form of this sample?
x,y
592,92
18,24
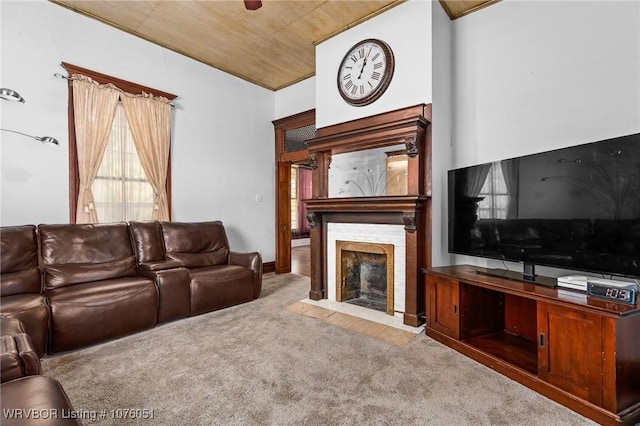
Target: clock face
x,y
365,72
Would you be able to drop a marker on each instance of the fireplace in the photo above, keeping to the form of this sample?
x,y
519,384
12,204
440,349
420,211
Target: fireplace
x,y
379,217
364,275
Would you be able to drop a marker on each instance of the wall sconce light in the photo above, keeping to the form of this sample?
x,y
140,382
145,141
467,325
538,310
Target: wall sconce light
x,y
11,95
43,139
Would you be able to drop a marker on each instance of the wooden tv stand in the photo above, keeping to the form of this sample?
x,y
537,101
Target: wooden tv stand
x,y
580,351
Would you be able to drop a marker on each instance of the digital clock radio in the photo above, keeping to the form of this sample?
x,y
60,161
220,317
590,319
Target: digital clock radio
x,y
613,290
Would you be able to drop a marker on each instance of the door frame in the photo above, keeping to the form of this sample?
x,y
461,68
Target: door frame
x,y
284,160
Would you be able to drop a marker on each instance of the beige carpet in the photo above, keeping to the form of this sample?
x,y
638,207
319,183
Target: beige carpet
x,y
261,364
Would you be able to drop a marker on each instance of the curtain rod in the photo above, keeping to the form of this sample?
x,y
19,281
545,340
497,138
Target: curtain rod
x,y
58,75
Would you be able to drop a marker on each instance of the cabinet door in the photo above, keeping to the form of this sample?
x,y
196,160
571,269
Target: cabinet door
x,y
570,350
442,306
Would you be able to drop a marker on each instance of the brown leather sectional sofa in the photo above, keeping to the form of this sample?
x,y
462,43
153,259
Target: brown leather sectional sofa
x,y
78,285
68,286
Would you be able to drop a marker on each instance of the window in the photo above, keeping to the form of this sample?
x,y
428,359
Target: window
x,y
121,189
494,192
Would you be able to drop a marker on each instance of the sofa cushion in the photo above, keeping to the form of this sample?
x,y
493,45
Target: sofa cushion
x,y
147,241
19,260
63,275
217,287
9,326
84,314
21,282
85,243
196,244
73,254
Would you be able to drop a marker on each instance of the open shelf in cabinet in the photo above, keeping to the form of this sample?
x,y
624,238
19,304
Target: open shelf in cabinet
x,y
515,350
502,325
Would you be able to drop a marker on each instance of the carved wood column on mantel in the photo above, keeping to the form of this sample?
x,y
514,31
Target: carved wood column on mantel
x,y
409,126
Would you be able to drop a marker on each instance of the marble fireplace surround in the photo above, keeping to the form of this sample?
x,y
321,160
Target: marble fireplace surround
x,y
386,242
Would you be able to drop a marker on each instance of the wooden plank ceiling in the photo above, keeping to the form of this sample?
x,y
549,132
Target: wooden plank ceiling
x,y
273,46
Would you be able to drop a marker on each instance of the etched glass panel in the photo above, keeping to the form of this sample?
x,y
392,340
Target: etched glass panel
x,y
369,173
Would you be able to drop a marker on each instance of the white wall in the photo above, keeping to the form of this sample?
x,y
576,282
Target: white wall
x,y
406,29
442,128
532,76
222,152
296,98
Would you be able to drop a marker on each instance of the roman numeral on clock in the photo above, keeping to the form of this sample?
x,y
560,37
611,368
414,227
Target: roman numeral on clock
x,y
348,84
375,75
377,65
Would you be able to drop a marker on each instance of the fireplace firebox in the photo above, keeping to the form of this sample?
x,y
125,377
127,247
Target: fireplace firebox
x,y
364,275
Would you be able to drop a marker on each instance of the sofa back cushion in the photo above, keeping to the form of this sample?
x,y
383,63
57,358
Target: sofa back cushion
x,y
73,254
147,241
19,272
196,244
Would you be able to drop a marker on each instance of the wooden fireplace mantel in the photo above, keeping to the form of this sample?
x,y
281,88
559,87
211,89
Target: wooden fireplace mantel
x,y
410,126
402,203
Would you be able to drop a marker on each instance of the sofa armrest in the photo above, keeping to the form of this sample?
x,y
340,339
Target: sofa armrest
x,y
173,291
9,360
160,265
252,261
18,358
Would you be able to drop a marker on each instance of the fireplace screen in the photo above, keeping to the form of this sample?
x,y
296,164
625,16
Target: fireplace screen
x,y
364,275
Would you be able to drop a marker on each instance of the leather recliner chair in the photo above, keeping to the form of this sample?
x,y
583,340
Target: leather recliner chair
x,y
219,277
216,276
92,283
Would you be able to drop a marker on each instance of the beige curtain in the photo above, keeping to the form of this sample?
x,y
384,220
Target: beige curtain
x,y
121,190
150,121
94,107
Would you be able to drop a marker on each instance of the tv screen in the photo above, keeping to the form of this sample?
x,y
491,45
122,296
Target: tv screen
x,y
575,208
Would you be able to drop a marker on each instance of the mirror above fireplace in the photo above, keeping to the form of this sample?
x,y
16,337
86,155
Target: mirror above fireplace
x,y
369,173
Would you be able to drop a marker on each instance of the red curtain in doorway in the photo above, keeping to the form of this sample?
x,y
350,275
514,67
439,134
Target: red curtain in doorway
x,y
304,192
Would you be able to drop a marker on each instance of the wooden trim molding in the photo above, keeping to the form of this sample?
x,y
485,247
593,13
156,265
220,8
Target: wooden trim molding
x,y
284,160
268,267
126,86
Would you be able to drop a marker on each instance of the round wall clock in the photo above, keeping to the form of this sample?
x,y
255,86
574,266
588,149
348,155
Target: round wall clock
x,y
365,72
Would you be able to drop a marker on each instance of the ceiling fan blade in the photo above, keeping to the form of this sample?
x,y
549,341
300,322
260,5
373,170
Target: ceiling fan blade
x,y
252,4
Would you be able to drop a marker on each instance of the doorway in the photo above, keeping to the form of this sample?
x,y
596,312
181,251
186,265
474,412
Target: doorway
x,y
301,187
292,155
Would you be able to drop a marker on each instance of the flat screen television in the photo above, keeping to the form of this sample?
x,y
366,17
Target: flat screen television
x,y
573,208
